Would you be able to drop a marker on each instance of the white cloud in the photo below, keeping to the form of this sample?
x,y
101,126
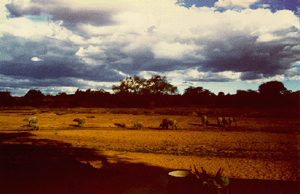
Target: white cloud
x,y
94,84
265,5
23,27
172,50
296,48
235,4
267,38
194,74
291,72
91,50
230,75
36,59
154,36
296,63
269,23
280,78
127,60
148,74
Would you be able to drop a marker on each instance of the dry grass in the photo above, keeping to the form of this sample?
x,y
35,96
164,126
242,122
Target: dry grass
x,y
258,148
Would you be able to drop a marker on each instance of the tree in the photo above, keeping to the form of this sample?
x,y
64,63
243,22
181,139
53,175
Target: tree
x,y
6,99
33,98
221,94
198,95
247,98
34,95
159,85
273,88
62,94
130,85
155,85
139,92
100,91
91,98
221,100
272,94
193,91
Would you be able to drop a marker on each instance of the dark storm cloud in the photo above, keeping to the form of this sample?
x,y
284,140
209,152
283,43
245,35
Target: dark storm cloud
x,y
18,11
164,65
244,54
276,5
41,71
58,61
211,78
24,82
140,61
60,11
95,44
93,17
23,49
56,69
19,86
252,58
251,76
284,31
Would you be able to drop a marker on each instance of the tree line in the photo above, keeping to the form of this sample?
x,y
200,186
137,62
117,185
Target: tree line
x,y
158,92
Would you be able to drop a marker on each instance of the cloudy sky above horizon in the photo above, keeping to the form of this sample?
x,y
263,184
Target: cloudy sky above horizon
x,y
221,45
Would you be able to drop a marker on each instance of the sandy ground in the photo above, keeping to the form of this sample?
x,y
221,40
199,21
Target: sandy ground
x,y
253,155
258,148
260,155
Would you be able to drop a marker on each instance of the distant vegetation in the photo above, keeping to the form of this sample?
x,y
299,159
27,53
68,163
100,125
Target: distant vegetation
x,y
157,92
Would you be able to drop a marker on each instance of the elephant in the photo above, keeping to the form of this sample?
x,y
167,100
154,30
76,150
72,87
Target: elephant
x,y
166,122
231,120
79,121
220,121
31,120
224,120
35,126
204,120
120,125
138,125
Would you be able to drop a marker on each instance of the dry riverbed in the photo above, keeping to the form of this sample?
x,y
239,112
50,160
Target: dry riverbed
x,y
247,151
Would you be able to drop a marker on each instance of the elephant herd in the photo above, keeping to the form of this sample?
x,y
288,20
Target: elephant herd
x,y
138,125
33,122
222,121
226,121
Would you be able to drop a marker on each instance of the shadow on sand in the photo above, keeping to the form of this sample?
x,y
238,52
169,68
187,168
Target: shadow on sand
x,y
43,166
29,165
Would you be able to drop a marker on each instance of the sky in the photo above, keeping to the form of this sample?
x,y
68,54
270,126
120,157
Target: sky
x,y
60,46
